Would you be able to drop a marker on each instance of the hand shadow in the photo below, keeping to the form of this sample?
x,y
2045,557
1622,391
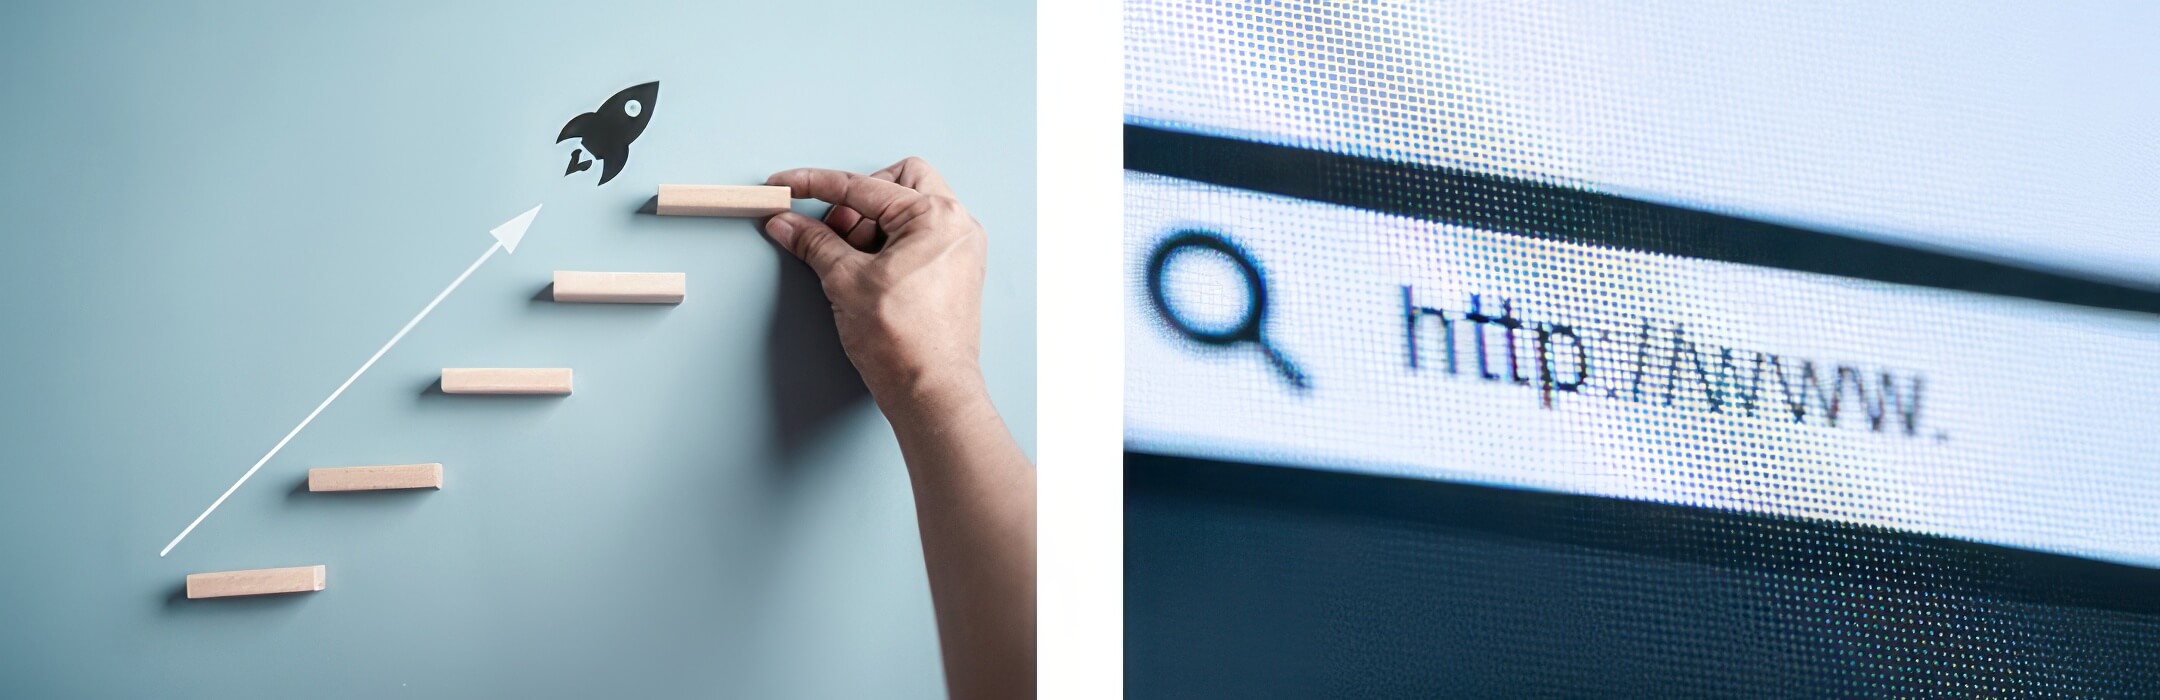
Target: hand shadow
x,y
809,376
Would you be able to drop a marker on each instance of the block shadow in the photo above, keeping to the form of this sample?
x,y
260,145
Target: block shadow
x,y
372,504
544,299
300,492
177,602
431,397
647,214
433,391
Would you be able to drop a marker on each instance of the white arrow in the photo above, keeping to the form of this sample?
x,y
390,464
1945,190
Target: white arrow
x,y
506,239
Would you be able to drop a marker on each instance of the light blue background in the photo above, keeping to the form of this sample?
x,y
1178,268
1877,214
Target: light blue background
x,y
213,212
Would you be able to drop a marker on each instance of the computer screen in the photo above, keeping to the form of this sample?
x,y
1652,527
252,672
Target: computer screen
x,y
1661,349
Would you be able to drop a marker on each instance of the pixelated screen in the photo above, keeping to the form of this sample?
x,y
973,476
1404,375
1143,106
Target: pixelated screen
x,y
1645,349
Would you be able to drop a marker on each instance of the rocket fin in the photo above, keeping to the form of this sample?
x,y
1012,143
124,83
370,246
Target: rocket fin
x,y
574,129
610,166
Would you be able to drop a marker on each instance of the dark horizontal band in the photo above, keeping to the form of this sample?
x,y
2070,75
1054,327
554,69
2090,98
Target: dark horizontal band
x,y
1553,212
1250,580
1859,555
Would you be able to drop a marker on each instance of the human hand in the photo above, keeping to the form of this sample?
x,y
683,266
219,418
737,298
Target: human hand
x,y
902,263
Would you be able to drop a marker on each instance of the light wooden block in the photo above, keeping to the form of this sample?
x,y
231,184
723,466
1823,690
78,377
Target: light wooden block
x,y
396,476
519,380
298,579
620,287
722,200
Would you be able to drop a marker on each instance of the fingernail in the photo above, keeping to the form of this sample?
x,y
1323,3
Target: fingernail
x,y
779,226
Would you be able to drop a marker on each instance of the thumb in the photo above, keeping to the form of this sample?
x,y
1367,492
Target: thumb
x,y
809,239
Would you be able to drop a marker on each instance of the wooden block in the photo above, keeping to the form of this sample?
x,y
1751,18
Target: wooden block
x,y
520,380
298,579
396,476
722,200
620,287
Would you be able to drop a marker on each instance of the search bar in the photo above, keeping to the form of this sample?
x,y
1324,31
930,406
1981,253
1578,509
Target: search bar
x,y
1441,351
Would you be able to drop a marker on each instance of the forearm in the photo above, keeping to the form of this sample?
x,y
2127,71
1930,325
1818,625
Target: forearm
x,y
903,306
975,505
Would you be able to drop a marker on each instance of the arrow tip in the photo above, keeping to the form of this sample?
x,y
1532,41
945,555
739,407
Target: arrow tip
x,y
512,231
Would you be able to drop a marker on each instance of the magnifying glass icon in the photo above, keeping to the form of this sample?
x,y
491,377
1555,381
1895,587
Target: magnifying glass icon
x,y
1247,327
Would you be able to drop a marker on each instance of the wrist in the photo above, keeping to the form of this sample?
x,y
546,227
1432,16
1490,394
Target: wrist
x,y
953,391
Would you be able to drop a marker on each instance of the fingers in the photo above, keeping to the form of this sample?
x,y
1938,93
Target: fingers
x,y
917,174
810,240
859,231
868,196
852,226
863,203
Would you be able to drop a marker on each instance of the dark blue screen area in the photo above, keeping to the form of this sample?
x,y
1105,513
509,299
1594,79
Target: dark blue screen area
x,y
1247,580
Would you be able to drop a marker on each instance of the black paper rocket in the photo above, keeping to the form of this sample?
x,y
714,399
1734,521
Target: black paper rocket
x,y
607,132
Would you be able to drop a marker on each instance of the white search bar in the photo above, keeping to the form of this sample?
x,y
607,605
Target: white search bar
x,y
1998,420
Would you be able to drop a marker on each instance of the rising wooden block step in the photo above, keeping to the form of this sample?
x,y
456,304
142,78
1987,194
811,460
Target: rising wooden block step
x,y
395,476
722,200
221,584
517,380
619,287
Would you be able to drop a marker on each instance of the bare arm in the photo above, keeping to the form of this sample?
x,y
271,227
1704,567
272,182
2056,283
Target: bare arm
x,y
902,263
